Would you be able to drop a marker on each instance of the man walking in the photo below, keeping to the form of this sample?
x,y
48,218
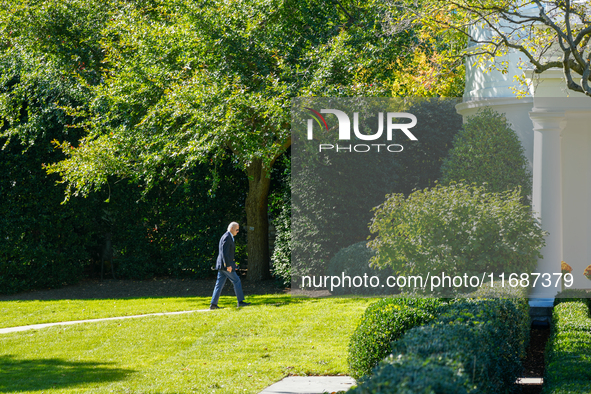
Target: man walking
x,y
226,268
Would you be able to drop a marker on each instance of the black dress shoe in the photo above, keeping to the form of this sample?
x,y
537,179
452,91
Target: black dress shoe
x,y
212,307
243,303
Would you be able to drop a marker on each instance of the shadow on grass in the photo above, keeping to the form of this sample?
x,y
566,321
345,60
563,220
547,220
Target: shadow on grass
x,y
132,289
18,375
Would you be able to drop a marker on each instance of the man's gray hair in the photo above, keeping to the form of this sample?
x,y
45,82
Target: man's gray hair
x,y
232,225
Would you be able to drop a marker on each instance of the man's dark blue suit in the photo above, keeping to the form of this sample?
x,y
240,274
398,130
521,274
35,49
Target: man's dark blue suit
x,y
226,252
224,260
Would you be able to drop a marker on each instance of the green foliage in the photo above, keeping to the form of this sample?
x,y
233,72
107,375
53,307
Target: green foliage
x,y
497,289
420,165
571,295
334,197
354,261
408,375
473,346
568,351
382,323
533,24
331,205
49,244
282,250
168,84
182,81
487,150
43,243
280,207
456,229
174,230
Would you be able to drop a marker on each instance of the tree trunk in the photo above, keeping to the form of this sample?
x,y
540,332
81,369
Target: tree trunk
x,y
257,227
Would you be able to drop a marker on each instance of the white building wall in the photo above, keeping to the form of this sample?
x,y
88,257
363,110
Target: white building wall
x,y
554,126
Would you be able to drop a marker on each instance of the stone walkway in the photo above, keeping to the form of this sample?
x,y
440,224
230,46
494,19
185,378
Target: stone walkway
x,y
310,385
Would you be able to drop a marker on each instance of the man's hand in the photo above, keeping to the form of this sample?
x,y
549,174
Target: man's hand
x,y
229,269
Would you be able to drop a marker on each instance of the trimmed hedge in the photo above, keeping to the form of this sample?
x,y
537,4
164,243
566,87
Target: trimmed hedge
x,y
413,376
473,346
382,323
568,352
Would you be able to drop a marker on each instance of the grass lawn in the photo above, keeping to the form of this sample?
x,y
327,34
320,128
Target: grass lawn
x,y
22,313
225,351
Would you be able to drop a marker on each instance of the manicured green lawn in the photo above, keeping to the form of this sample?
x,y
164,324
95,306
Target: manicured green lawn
x,y
21,313
225,351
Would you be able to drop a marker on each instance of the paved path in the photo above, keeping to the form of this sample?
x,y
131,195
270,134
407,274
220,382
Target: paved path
x,y
310,385
67,323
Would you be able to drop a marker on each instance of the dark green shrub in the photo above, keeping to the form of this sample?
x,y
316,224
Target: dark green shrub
x,y
382,323
281,258
439,123
568,351
518,296
406,375
456,229
282,252
472,346
174,230
333,198
182,222
354,261
42,242
332,203
507,326
572,295
487,150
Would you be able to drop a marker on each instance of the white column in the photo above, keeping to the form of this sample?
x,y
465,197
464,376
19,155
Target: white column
x,y
547,195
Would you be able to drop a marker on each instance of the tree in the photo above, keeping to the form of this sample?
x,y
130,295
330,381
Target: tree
x,y
548,33
488,150
173,83
183,83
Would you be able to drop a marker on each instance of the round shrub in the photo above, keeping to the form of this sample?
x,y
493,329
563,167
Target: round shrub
x,y
354,261
382,323
487,149
456,229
